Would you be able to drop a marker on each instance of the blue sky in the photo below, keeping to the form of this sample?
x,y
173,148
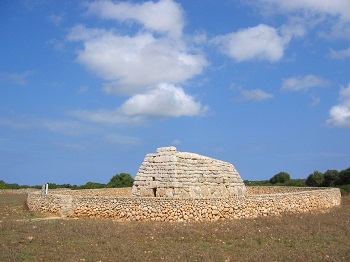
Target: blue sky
x,y
87,88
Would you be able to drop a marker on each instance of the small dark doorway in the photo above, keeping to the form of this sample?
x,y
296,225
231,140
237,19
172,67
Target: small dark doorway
x,y
154,189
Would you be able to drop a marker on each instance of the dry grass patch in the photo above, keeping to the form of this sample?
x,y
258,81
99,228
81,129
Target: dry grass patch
x,y
303,237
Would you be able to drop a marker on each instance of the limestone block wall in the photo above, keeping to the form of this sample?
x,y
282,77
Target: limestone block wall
x,y
116,192
187,209
181,174
18,191
258,190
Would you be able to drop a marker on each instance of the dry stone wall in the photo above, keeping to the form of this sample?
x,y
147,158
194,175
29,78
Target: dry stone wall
x,y
116,192
173,174
260,190
295,200
18,191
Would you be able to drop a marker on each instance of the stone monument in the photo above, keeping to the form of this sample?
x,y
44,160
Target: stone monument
x,y
173,174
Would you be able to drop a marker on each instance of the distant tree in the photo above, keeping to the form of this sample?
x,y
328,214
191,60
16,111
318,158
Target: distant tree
x,y
3,185
295,182
64,186
315,179
13,186
92,185
344,177
52,186
281,177
121,180
330,178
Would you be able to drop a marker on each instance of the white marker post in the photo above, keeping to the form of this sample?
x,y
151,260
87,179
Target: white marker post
x,y
46,188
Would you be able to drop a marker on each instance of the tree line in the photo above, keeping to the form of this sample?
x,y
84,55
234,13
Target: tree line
x,y
117,181
330,178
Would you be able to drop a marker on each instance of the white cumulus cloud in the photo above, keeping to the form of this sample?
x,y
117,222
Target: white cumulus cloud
x,y
144,61
164,16
303,83
164,100
261,42
339,115
131,63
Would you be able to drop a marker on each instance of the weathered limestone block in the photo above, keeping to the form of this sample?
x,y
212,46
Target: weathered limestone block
x,y
181,175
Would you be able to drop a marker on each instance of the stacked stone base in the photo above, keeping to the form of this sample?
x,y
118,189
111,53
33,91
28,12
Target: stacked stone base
x,y
294,200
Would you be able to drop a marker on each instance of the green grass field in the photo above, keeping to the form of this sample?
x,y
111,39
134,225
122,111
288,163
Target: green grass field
x,y
25,236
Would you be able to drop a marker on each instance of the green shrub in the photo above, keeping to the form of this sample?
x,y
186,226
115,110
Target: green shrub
x,y
92,185
345,190
344,177
121,180
330,178
281,177
295,182
315,179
